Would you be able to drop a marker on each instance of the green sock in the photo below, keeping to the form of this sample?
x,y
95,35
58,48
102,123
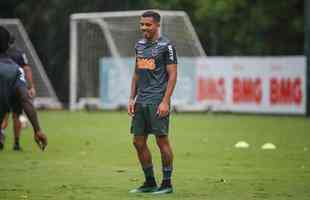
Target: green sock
x,y
167,172
149,173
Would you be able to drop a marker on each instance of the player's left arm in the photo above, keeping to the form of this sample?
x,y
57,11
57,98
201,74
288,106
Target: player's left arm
x,y
28,107
30,82
22,60
163,108
173,73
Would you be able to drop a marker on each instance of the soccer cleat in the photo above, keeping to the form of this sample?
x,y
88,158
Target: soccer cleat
x,y
17,147
145,188
164,189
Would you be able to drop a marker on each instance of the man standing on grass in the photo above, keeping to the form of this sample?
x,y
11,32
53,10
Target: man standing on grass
x,y
152,86
13,88
19,57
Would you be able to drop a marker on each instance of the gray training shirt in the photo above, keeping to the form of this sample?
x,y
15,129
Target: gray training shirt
x,y
152,59
11,77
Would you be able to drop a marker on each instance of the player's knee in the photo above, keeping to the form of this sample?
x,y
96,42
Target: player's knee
x,y
16,121
162,142
15,118
4,124
15,115
139,144
164,147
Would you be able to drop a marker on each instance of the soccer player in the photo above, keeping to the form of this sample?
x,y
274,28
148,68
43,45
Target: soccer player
x,y
13,89
19,57
152,85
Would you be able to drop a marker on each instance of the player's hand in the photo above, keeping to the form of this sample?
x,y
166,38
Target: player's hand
x,y
41,140
32,92
163,109
131,107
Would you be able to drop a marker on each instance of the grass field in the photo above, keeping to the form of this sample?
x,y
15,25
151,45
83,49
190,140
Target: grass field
x,y
90,156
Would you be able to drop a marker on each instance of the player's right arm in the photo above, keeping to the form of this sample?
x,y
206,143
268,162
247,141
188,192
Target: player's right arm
x,y
26,102
133,92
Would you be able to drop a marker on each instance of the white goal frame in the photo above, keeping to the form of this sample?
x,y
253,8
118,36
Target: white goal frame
x,y
52,100
97,17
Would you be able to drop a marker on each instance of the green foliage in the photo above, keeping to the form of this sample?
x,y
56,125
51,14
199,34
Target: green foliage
x,y
253,27
225,27
242,27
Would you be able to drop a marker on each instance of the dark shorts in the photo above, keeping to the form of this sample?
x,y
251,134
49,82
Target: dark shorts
x,y
16,107
146,121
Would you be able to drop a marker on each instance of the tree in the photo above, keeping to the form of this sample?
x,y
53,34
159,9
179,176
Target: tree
x,y
243,27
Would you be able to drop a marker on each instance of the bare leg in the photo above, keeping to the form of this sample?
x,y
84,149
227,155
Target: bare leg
x,y
144,154
17,130
145,158
165,150
4,123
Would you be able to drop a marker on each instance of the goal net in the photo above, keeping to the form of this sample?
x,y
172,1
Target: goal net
x,y
102,56
46,97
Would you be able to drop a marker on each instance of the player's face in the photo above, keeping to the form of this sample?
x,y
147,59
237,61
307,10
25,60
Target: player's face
x,y
149,27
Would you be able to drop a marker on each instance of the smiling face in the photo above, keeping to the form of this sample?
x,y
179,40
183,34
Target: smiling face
x,y
149,27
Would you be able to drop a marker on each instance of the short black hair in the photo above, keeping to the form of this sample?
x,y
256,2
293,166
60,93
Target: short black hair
x,y
4,39
153,14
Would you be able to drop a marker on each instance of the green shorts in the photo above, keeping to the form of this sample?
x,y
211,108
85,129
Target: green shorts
x,y
146,121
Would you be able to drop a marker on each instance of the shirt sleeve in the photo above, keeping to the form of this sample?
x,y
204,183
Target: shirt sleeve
x,y
171,55
136,60
21,59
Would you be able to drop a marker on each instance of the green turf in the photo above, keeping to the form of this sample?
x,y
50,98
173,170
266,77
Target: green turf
x,y
90,156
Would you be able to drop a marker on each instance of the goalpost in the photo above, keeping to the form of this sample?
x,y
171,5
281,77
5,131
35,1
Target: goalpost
x,y
46,96
102,55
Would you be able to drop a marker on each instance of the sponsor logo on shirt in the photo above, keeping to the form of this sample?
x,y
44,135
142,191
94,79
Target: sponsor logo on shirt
x,y
143,63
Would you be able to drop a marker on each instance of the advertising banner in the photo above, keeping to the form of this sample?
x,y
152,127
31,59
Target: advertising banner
x,y
233,84
252,84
